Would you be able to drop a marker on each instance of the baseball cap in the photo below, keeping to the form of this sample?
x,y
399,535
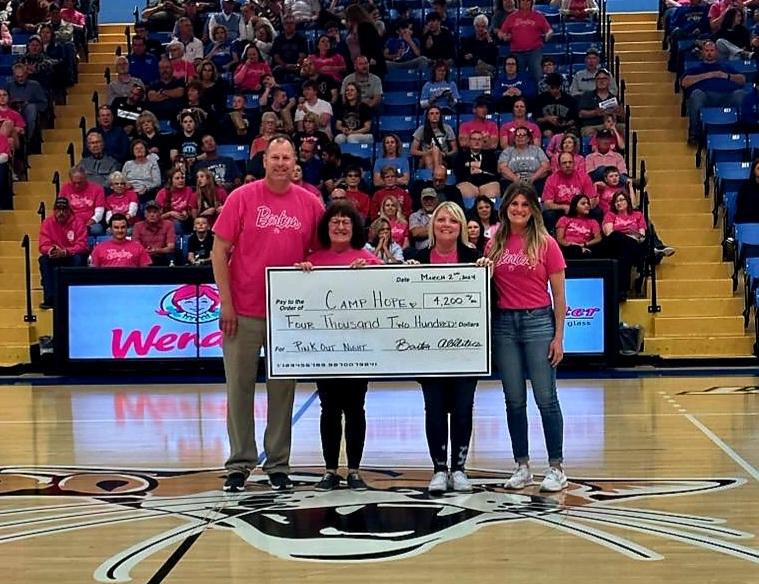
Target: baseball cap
x,y
603,71
604,134
152,205
429,192
61,203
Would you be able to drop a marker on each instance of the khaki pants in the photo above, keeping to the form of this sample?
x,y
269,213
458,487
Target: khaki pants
x,y
240,366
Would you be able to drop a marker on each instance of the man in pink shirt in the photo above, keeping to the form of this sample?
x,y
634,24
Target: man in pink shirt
x,y
87,199
480,123
527,30
120,252
63,243
269,222
561,187
156,235
597,162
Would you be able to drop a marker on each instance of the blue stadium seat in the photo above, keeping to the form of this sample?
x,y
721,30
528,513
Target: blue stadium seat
x,y
396,103
401,80
251,102
745,67
404,126
746,246
165,127
723,148
753,145
580,26
363,151
751,287
160,36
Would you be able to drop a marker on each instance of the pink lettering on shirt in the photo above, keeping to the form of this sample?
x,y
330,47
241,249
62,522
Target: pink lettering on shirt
x,y
265,218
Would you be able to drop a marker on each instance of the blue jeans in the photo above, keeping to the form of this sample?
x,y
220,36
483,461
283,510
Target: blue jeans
x,y
521,339
529,61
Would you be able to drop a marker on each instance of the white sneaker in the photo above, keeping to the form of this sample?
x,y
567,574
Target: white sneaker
x,y
439,482
460,482
554,481
520,478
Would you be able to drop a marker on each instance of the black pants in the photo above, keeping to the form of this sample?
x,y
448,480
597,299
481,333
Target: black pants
x,y
443,396
628,253
48,269
340,397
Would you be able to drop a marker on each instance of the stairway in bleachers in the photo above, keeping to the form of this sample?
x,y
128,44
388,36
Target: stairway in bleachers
x,y
700,316
16,335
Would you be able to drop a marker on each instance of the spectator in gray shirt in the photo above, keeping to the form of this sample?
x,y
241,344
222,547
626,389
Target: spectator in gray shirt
x,y
98,165
419,221
369,84
585,79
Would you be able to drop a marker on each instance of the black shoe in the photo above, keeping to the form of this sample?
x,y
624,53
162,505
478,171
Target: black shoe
x,y
235,482
355,482
329,482
279,481
46,305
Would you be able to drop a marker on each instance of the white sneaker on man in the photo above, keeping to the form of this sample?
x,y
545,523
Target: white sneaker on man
x,y
554,481
520,478
460,482
439,482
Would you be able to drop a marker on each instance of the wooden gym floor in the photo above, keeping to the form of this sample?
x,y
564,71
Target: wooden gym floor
x,y
112,483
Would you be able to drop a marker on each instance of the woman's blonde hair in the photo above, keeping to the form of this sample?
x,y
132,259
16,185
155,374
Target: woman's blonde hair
x,y
536,236
398,211
458,214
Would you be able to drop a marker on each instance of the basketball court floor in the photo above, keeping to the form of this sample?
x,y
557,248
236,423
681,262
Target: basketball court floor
x,y
122,483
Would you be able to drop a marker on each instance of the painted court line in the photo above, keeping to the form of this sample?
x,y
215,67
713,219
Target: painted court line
x,y
737,458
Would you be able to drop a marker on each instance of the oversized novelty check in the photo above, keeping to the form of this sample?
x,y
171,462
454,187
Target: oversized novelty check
x,y
385,321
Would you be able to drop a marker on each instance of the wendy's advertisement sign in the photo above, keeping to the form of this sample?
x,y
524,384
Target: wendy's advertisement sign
x,y
144,321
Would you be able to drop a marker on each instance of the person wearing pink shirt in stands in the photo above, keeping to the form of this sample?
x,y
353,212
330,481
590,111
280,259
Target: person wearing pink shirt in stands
x,y
480,123
63,243
178,203
12,124
269,222
390,210
569,143
625,231
390,186
342,237
577,233
70,14
597,162
327,61
610,185
120,252
298,180
527,30
561,187
87,199
528,328
249,73
519,120
122,200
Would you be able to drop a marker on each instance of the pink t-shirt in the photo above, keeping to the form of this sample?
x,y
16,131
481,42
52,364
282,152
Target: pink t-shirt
x,y
12,115
526,29
116,203
596,160
509,128
627,224
73,16
120,254
437,258
325,65
266,229
605,194
181,201
578,229
488,128
560,188
398,231
579,163
521,286
327,257
83,203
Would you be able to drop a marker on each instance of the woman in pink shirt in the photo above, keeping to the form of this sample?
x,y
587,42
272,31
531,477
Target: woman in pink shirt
x,y
341,234
526,29
249,73
569,143
528,332
577,232
448,244
520,120
625,230
121,200
390,210
178,202
327,61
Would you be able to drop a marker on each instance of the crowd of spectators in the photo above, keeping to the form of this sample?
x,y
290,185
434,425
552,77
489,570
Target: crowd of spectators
x,y
191,108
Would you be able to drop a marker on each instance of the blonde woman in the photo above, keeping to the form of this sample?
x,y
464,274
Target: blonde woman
x,y
449,244
390,210
211,196
528,332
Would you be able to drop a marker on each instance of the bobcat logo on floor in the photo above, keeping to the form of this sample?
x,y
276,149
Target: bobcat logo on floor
x,y
395,518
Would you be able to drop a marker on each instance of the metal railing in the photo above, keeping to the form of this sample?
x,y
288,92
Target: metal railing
x,y
26,244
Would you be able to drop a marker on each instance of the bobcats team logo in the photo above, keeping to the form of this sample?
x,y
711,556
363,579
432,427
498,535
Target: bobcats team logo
x,y
395,518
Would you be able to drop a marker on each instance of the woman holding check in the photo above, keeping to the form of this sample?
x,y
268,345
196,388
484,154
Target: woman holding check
x,y
528,331
448,244
341,234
